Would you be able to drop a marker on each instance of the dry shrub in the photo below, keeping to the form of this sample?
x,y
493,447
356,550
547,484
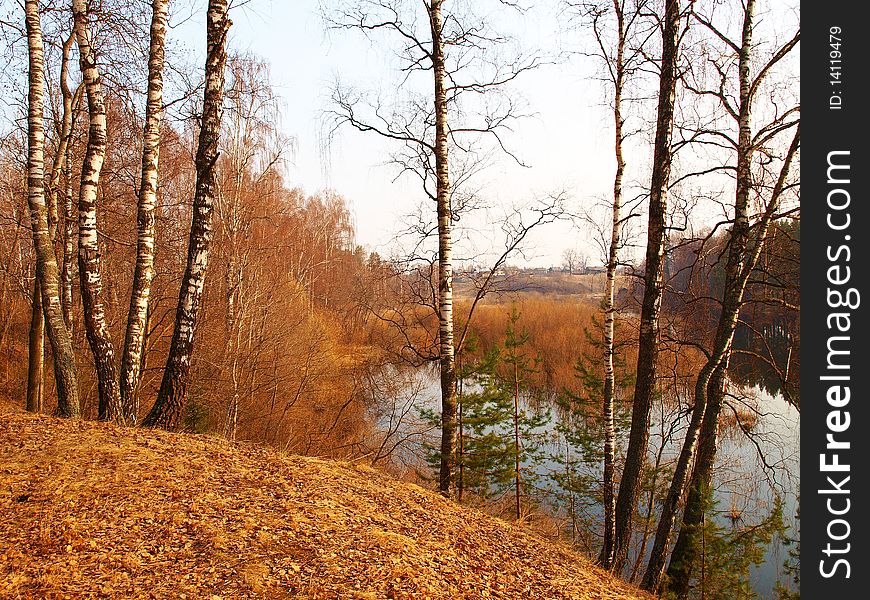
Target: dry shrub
x,y
285,351
559,334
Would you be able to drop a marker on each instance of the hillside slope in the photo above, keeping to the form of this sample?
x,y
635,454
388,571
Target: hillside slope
x,y
94,510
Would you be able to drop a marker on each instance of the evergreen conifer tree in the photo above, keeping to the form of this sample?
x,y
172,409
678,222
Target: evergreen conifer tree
x,y
579,435
501,439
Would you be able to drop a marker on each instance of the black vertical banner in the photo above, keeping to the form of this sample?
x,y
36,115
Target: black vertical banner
x,y
835,372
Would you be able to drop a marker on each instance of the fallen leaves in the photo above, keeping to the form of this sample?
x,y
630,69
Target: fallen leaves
x,y
91,509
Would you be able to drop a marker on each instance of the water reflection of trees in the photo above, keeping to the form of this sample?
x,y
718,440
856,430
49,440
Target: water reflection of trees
x,y
561,488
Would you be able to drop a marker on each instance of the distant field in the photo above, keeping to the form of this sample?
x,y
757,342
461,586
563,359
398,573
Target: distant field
x,y
585,286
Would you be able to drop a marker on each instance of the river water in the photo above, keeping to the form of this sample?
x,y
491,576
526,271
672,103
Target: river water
x,y
752,471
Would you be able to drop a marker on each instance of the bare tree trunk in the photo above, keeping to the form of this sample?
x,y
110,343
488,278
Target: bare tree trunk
x,y
169,407
710,385
605,559
233,279
445,259
35,377
61,159
233,333
90,272
36,342
742,258
46,262
650,510
644,391
517,475
36,352
652,578
71,106
682,558
144,271
69,245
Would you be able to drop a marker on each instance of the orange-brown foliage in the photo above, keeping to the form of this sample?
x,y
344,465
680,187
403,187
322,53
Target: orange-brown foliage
x,y
556,333
293,361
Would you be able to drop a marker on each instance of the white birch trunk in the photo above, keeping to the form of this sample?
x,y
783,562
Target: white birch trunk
x,y
36,353
69,245
46,263
63,166
70,102
607,548
144,271
744,251
445,258
700,441
90,276
168,410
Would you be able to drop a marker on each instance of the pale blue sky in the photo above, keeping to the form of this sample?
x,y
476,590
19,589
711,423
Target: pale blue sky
x,y
567,143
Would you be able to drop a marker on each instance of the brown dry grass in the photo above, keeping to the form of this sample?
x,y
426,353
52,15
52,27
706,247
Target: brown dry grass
x,y
556,328
94,510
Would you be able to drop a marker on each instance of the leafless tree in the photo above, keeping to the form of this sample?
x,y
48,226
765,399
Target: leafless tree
x,y
644,392
573,260
47,274
252,151
745,245
169,406
454,48
57,224
137,317
620,47
90,272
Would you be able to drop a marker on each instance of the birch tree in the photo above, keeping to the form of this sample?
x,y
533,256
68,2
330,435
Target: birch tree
x,y
606,557
69,107
47,274
90,272
63,166
69,244
450,47
137,316
251,150
169,406
617,22
644,391
447,361
55,195
746,243
711,399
